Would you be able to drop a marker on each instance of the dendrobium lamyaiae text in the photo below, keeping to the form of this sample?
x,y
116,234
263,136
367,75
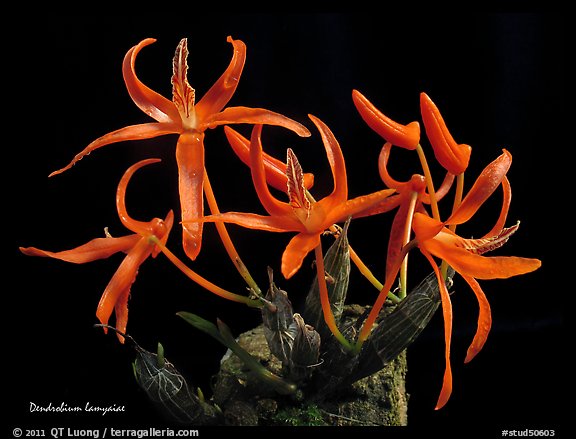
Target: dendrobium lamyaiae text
x,y
416,225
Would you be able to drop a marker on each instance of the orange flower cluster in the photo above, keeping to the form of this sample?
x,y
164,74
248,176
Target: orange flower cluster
x,y
413,225
431,235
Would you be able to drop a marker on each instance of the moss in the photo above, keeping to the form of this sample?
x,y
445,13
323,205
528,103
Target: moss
x,y
305,415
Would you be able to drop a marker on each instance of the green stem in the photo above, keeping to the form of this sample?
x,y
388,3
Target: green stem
x,y
429,182
202,281
227,241
223,334
367,273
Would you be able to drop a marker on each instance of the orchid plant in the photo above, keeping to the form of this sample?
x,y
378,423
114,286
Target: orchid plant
x,y
416,225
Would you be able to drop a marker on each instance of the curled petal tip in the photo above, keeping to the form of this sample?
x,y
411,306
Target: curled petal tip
x,y
452,156
59,171
27,251
486,183
150,102
313,118
146,42
303,131
405,136
191,244
470,356
440,405
238,44
275,169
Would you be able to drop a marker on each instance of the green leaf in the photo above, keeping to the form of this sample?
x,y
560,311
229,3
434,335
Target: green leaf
x,y
277,316
203,325
305,351
398,329
167,387
223,334
160,355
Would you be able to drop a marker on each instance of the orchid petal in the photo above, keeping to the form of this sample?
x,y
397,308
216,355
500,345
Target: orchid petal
x,y
384,206
132,132
150,102
405,136
447,315
223,89
484,320
122,279
456,251
483,245
190,160
167,227
383,169
99,248
235,115
183,95
135,226
121,313
270,203
296,250
355,206
336,159
295,188
464,262
484,186
442,190
396,241
275,169
506,199
452,156
258,222
425,227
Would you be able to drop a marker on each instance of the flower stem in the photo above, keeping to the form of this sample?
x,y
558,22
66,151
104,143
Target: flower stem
x,y
227,241
369,275
406,240
429,182
201,281
457,197
457,200
325,300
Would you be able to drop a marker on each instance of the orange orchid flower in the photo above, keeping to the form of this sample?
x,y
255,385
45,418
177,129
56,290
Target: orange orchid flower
x,y
308,218
465,256
452,156
411,198
190,120
405,136
137,246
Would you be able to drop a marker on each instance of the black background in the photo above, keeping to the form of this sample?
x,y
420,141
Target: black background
x,y
499,82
